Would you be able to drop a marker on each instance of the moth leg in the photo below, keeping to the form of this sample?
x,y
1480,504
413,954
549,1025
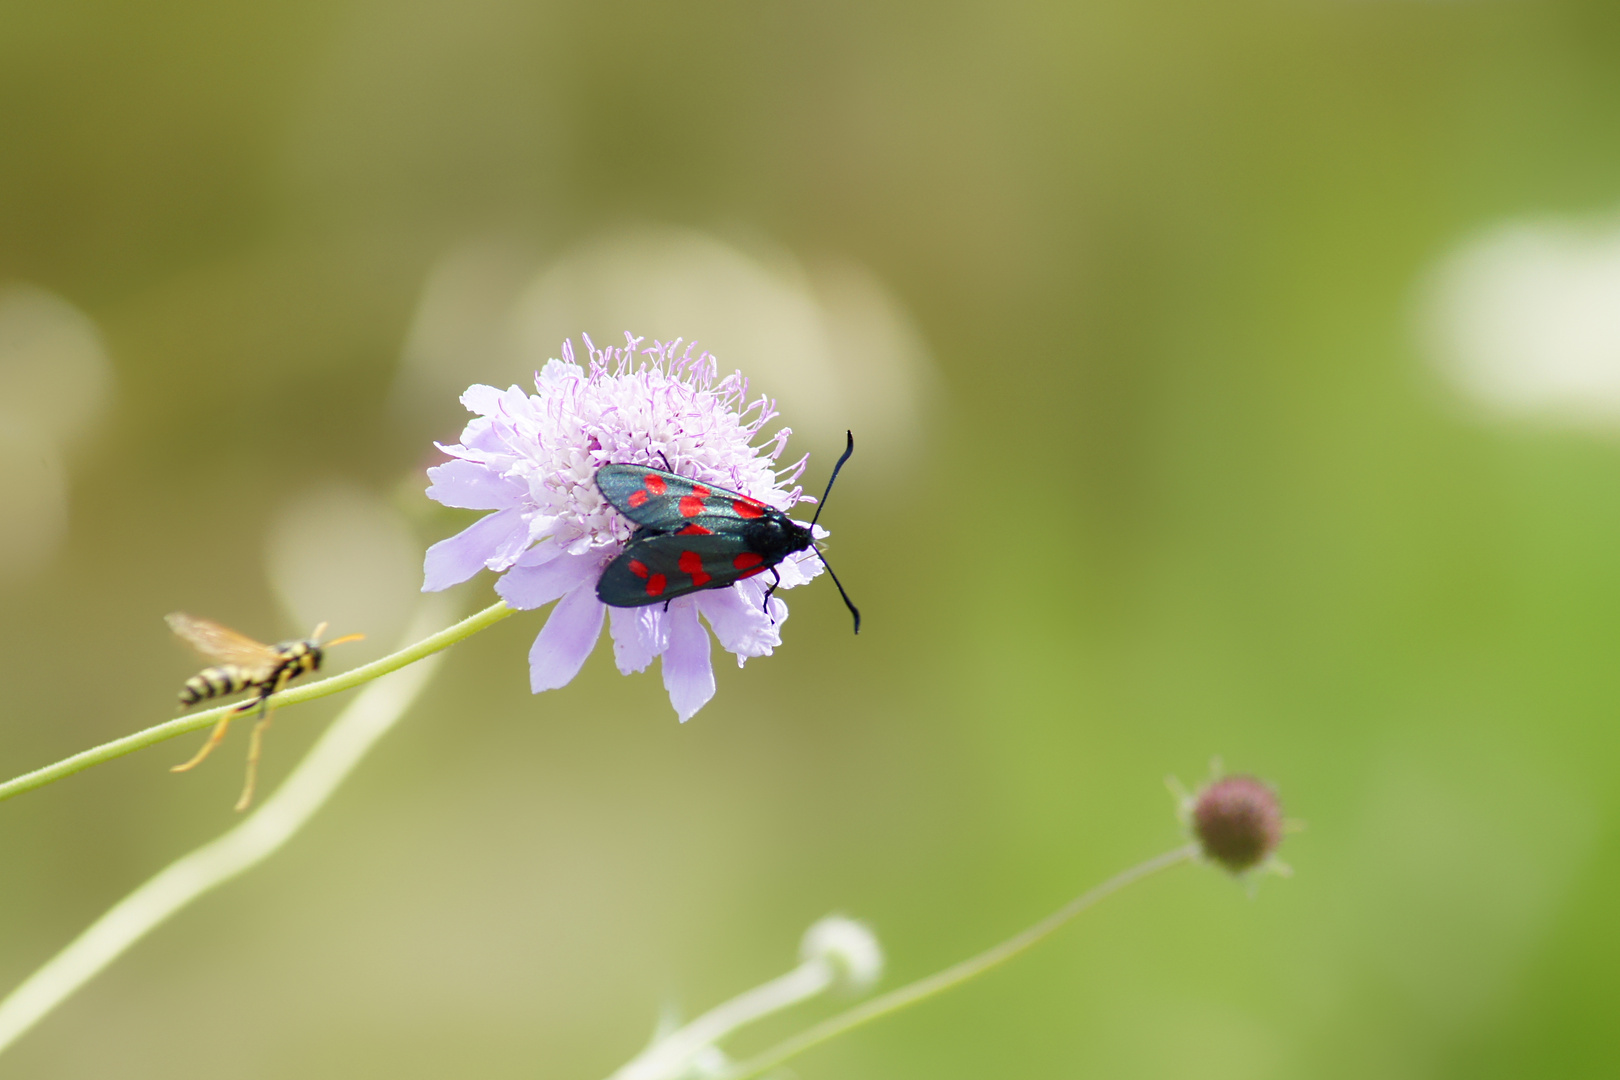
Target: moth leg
x,y
765,604
667,467
666,604
256,742
216,736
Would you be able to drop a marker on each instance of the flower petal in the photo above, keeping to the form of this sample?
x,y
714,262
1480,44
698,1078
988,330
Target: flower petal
x,y
480,398
526,587
533,457
452,561
639,635
470,486
557,371
740,622
688,676
799,569
538,555
566,639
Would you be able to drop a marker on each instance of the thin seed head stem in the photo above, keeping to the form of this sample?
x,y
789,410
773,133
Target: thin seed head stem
x,y
953,976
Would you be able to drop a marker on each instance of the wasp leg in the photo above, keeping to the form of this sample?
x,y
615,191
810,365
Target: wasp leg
x,y
216,736
256,742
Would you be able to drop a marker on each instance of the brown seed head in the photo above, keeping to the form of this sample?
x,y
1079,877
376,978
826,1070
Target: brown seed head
x,y
1238,822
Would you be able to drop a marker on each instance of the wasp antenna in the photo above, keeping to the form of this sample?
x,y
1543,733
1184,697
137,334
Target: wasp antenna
x,y
344,640
822,505
853,610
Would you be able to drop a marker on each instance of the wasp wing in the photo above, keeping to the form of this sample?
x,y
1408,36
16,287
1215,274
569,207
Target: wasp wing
x,y
666,502
224,645
661,567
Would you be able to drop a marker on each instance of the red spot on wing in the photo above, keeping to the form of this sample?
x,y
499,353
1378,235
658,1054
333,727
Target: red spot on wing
x,y
637,498
695,530
638,568
751,573
748,508
747,560
700,491
692,563
655,585
691,506
655,484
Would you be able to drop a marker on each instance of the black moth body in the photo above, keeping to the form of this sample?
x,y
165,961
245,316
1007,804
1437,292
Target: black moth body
x,y
692,536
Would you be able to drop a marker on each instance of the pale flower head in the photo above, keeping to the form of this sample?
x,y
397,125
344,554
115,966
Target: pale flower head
x,y
848,946
532,460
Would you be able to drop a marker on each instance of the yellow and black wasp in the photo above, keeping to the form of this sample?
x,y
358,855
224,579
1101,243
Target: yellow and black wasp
x,y
244,664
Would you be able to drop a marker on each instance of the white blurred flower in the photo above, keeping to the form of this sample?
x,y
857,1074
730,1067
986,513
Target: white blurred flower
x,y
711,1061
531,459
55,383
458,332
341,555
830,339
34,494
835,953
1525,320
850,947
54,371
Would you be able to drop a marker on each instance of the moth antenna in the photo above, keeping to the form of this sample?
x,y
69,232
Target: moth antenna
x,y
822,505
319,630
853,610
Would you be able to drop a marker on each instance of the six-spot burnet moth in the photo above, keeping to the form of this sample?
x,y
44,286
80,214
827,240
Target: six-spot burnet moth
x,y
692,536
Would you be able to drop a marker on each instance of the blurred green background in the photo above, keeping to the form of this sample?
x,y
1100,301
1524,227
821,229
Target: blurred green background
x,y
1158,462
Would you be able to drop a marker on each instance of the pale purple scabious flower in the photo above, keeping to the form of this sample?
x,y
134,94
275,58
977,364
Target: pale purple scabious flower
x,y
532,458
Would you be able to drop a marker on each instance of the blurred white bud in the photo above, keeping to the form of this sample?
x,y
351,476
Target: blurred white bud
x,y
55,382
833,344
34,493
829,340
708,1062
457,333
1525,320
54,372
343,556
850,947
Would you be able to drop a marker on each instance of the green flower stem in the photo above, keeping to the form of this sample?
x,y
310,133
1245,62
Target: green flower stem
x,y
953,976
194,721
258,836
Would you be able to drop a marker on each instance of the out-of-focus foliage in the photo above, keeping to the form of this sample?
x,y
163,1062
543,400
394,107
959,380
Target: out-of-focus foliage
x,y
1146,316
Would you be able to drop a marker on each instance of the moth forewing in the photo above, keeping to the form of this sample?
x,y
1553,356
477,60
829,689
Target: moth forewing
x,y
666,502
692,536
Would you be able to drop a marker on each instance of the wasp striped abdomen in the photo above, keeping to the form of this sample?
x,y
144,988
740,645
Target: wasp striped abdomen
x,y
214,682
280,663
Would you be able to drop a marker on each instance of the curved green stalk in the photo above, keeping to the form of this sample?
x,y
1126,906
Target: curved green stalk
x,y
329,762
180,725
953,976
